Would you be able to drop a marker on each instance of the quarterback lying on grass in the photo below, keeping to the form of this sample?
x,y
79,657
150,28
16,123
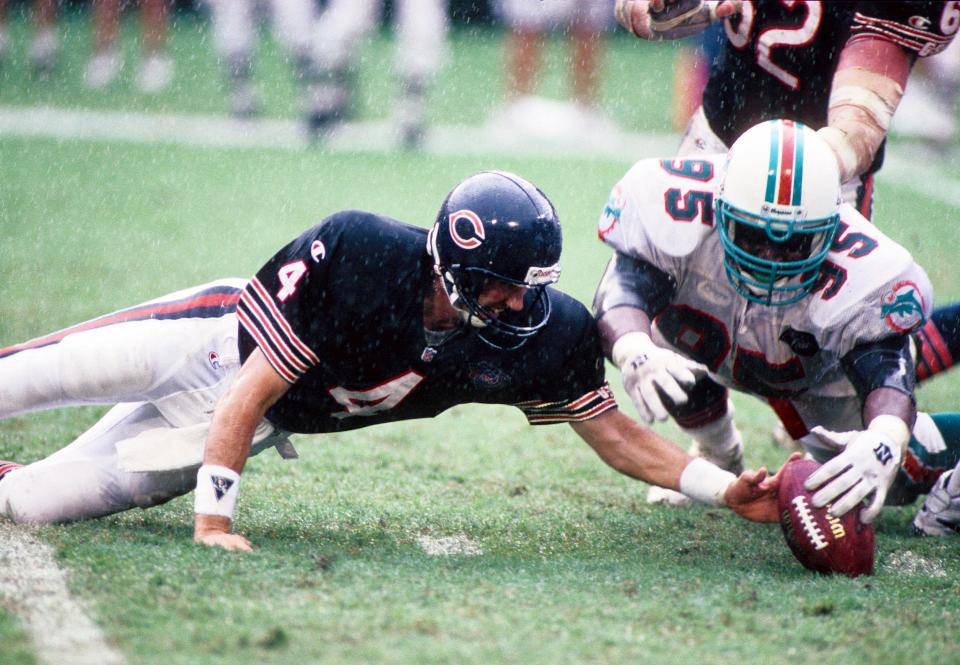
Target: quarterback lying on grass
x,y
313,343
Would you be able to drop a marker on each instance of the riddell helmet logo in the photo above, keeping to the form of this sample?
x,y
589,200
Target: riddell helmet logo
x,y
478,232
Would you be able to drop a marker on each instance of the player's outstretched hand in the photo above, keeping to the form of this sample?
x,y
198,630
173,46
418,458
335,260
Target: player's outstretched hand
x,y
214,531
753,495
228,541
865,468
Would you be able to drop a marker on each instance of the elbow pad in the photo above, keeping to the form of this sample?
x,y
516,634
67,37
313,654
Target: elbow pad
x,y
883,364
629,282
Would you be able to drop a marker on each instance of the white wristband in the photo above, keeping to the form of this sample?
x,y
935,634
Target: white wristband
x,y
629,346
705,482
895,430
217,490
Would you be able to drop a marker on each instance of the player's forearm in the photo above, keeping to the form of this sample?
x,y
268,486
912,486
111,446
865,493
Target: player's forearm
x,y
866,90
634,450
617,322
890,403
231,433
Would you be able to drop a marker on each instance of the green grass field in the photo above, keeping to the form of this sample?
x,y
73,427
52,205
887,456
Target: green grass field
x,y
575,567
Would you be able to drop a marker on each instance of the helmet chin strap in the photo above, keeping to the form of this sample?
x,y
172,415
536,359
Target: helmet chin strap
x,y
456,302
468,317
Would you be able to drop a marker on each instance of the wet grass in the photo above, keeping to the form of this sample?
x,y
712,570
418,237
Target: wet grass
x,y
575,566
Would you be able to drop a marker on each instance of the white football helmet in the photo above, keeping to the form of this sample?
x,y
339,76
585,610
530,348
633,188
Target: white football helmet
x,y
777,211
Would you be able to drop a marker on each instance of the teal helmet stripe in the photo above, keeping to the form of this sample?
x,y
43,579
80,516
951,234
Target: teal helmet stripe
x,y
772,169
797,165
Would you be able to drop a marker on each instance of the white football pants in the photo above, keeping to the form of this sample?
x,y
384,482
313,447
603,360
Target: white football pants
x,y
234,29
165,363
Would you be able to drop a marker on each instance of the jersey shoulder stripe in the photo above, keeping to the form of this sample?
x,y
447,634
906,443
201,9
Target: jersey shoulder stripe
x,y
263,320
251,309
920,41
265,297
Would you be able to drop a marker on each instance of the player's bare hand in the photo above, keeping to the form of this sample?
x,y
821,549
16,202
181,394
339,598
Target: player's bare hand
x,y
214,531
228,541
753,495
726,9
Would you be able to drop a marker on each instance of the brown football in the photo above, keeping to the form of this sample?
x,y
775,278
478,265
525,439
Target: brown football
x,y
818,540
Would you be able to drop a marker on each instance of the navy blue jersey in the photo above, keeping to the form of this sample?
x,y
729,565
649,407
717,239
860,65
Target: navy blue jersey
x,y
778,58
338,313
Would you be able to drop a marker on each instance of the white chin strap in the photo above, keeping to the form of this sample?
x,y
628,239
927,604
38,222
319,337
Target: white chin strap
x,y
449,285
454,296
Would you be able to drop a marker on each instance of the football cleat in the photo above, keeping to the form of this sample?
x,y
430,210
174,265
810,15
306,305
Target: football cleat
x,y
7,467
940,514
244,100
44,50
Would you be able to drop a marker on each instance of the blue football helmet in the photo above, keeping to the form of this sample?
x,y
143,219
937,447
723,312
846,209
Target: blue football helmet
x,y
497,226
777,211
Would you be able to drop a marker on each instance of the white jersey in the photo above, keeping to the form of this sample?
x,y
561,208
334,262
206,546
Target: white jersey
x,y
661,212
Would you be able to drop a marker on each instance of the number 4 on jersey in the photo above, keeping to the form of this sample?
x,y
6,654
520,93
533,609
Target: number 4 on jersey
x,y
373,400
289,275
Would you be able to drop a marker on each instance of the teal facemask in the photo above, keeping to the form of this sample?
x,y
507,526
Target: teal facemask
x,y
771,260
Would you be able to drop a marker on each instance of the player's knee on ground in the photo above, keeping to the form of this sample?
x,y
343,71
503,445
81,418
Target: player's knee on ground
x,y
57,493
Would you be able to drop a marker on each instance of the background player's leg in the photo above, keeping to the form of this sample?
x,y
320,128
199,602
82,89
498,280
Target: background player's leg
x,y
83,480
341,33
421,30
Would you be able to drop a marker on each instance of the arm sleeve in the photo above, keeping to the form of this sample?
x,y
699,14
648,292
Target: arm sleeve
x,y
886,363
280,310
630,282
571,387
921,28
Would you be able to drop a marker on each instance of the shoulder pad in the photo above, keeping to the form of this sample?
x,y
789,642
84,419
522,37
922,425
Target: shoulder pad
x,y
872,280
662,207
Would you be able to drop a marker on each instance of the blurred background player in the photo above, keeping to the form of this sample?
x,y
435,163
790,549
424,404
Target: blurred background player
x,y
421,29
156,67
234,38
45,45
586,22
691,67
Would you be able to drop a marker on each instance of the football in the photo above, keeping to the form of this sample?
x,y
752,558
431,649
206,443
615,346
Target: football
x,y
820,541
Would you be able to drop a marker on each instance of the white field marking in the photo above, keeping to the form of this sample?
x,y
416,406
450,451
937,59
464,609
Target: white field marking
x,y
34,588
448,545
908,563
907,164
223,131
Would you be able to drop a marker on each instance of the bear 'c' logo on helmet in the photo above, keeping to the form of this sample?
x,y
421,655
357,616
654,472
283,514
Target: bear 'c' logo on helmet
x,y
478,233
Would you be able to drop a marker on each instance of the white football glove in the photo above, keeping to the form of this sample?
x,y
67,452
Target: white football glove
x,y
867,465
646,367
